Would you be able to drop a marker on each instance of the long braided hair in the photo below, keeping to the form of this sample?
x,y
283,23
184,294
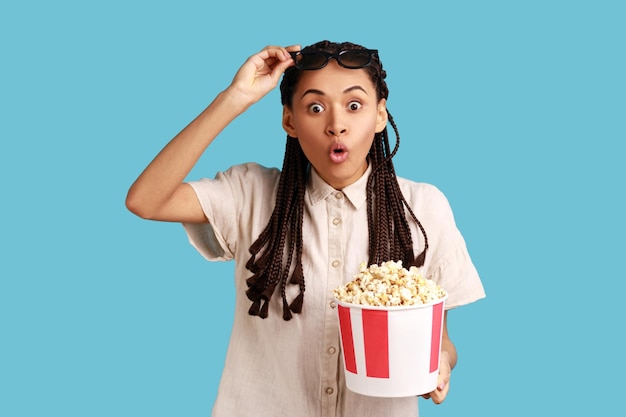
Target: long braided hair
x,y
276,256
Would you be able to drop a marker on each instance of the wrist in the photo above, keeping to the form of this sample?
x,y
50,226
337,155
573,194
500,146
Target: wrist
x,y
236,99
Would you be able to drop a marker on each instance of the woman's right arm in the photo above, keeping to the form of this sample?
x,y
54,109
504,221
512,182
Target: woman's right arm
x,y
160,193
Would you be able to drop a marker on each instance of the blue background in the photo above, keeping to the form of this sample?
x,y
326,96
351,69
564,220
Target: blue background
x,y
515,109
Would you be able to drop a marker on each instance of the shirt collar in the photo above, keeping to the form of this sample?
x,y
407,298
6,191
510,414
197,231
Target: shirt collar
x,y
318,189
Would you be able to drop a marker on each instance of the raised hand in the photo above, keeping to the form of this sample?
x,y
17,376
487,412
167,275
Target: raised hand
x,y
160,193
261,73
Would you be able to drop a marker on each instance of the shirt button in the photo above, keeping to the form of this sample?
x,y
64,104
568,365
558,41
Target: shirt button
x,y
336,221
338,195
335,264
331,350
330,390
333,304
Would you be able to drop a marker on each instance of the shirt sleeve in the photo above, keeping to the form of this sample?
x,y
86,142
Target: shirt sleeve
x,y
208,238
236,203
456,274
448,261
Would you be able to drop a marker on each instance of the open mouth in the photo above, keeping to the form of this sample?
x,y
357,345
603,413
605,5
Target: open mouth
x,y
338,152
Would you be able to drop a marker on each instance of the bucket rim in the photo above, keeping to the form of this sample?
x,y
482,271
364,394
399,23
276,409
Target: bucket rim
x,y
391,308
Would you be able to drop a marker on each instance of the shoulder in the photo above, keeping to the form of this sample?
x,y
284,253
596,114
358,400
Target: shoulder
x,y
428,202
246,176
421,191
253,170
248,179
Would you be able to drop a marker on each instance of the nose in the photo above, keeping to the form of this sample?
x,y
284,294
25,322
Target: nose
x,y
336,124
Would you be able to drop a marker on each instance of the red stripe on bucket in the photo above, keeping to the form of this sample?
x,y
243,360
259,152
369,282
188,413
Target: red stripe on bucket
x,y
435,339
375,338
345,325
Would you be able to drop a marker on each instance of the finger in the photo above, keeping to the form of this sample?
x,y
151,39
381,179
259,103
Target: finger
x,y
443,380
290,48
293,48
277,52
274,59
280,59
440,393
266,57
280,67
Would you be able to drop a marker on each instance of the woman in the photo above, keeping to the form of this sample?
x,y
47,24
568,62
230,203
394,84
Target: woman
x,y
306,228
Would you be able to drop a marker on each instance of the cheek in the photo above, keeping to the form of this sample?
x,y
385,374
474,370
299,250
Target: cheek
x,y
302,124
366,127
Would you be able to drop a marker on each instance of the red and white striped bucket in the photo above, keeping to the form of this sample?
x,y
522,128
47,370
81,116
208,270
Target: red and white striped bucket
x,y
391,351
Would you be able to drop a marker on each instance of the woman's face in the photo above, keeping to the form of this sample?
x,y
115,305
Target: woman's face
x,y
335,114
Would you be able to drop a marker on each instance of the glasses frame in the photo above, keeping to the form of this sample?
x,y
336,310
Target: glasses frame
x,y
337,55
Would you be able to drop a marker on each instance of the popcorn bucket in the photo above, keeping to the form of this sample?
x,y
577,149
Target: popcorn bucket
x,y
391,351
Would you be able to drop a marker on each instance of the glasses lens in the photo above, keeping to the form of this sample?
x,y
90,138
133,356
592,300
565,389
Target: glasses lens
x,y
355,59
311,60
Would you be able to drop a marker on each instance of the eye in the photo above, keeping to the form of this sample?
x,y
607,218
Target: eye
x,y
316,108
354,105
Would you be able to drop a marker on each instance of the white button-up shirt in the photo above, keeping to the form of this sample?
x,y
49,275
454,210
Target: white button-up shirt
x,y
294,368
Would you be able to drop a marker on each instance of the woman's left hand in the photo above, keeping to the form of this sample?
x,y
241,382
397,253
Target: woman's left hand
x,y
443,381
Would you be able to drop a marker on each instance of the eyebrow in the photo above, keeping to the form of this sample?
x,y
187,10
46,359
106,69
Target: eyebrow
x,y
321,93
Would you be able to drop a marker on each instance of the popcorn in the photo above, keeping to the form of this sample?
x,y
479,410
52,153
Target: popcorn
x,y
388,285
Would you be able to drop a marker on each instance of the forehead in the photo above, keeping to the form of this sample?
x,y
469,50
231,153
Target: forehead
x,y
333,79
